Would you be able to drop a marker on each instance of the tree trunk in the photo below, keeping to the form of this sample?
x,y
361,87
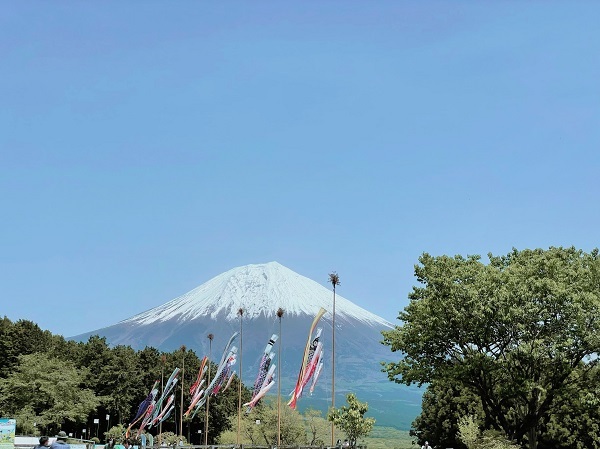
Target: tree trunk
x,y
532,435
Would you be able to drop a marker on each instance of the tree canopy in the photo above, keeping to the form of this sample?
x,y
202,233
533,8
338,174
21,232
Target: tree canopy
x,y
260,425
50,384
519,332
60,384
351,419
51,391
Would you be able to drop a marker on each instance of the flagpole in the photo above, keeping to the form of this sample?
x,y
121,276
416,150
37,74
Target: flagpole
x,y
163,359
210,339
241,314
280,312
334,279
183,348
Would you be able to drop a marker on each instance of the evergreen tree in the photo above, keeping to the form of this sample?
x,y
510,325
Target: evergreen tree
x,y
20,338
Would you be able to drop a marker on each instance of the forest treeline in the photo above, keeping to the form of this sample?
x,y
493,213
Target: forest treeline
x,y
49,383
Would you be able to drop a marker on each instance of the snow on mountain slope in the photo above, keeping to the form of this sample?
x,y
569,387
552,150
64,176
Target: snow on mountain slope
x,y
259,289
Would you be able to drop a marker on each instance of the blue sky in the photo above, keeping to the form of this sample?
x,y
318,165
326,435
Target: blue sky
x,y
146,147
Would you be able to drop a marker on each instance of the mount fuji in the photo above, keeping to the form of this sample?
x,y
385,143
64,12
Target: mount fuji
x,y
259,290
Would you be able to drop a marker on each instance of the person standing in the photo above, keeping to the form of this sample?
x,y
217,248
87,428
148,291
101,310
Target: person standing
x,y
44,443
426,446
61,441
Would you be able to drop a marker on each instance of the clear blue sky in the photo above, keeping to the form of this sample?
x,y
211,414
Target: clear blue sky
x,y
147,146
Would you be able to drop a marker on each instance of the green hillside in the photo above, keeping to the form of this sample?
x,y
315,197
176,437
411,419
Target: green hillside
x,y
388,438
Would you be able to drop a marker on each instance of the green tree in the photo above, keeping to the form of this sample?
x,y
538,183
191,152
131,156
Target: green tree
x,y
96,356
443,404
148,363
249,431
310,429
575,419
26,421
50,390
20,338
116,433
470,434
351,419
514,331
62,349
317,429
468,431
260,426
170,439
123,384
292,431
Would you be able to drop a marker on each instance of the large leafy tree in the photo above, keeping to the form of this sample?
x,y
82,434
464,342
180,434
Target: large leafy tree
x,y
518,332
47,390
351,419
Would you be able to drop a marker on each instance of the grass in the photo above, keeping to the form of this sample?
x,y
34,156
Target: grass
x,y
388,438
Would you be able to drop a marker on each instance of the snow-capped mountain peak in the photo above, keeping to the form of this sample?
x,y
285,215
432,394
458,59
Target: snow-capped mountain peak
x,y
258,289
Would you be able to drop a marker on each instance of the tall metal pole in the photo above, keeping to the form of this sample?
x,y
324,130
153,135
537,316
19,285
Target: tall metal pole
x,y
183,348
334,279
279,315
241,314
163,359
210,338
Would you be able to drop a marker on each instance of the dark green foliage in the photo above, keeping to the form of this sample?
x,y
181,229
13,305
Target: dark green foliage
x,y
575,419
62,384
20,338
123,381
444,402
149,364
